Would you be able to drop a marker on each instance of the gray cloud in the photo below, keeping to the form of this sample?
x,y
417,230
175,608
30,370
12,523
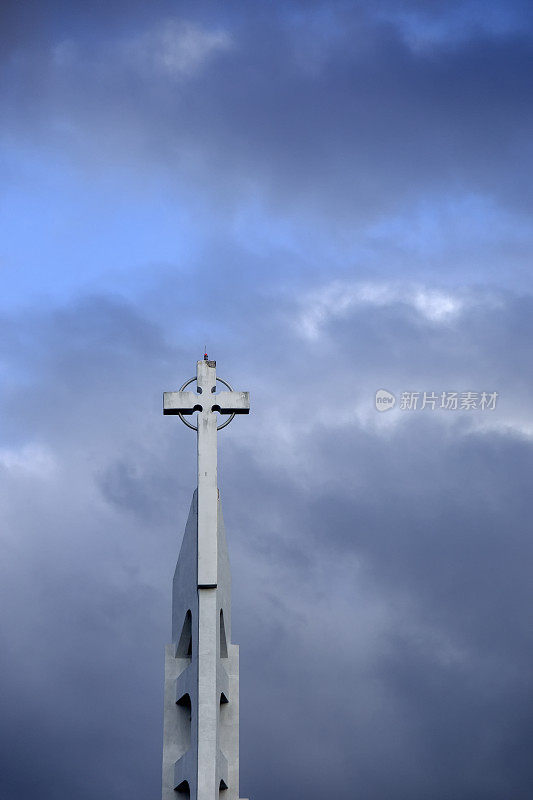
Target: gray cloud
x,y
358,178
380,577
350,130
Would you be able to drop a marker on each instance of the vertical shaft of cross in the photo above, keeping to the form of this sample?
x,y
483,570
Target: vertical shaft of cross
x,y
207,477
208,705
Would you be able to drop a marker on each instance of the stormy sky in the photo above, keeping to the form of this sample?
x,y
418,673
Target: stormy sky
x,y
333,198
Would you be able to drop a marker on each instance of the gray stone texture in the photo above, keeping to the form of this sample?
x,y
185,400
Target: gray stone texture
x,y
201,711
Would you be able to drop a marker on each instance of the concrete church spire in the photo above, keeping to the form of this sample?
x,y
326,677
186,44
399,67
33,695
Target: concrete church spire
x,y
201,718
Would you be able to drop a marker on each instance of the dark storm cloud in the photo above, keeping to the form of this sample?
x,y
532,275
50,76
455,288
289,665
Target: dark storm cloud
x,y
379,575
450,657
432,654
72,665
337,119
380,562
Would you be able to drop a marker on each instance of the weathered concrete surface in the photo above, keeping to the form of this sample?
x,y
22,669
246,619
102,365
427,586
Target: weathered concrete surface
x,y
201,716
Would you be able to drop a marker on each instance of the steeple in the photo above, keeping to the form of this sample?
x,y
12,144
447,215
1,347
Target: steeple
x,y
201,718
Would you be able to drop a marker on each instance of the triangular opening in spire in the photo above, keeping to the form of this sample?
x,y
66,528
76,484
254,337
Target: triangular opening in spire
x,y
223,640
184,648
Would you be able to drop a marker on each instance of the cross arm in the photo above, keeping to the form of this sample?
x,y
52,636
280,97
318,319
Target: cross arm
x,y
188,402
232,402
180,402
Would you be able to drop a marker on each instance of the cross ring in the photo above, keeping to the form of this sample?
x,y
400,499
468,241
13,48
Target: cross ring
x,y
195,427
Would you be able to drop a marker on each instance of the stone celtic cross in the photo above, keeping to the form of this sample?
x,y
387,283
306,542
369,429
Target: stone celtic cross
x,y
206,401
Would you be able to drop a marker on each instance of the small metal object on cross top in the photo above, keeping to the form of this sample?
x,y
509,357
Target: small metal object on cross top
x,y
185,403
